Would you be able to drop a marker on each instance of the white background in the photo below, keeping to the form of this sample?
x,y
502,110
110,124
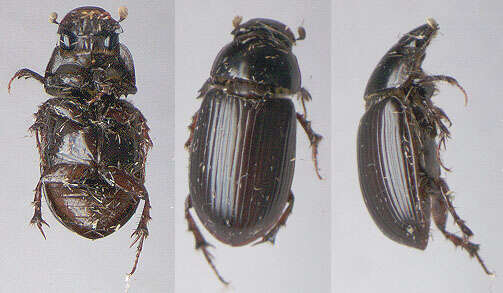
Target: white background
x,y
300,259
469,48
66,262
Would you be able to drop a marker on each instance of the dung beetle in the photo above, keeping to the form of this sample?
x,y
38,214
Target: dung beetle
x,y
92,145
398,146
243,137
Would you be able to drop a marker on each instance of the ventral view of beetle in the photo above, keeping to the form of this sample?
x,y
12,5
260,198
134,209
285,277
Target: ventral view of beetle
x,y
243,138
398,146
92,144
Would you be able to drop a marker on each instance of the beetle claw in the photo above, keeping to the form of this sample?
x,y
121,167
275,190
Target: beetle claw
x,y
37,220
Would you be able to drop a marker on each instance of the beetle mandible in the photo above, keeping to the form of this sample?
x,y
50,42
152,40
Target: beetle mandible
x,y
92,145
399,140
242,141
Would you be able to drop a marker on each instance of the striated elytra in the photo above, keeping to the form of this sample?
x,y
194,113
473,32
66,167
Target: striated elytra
x,y
242,142
93,146
399,140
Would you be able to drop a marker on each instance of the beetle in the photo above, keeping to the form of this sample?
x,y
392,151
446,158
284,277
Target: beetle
x,y
93,145
398,146
242,140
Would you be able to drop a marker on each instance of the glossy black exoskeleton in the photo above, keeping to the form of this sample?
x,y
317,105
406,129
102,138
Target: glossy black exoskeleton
x,y
93,145
242,142
399,140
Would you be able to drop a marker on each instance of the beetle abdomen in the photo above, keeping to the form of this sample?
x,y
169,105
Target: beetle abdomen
x,y
388,176
242,164
87,204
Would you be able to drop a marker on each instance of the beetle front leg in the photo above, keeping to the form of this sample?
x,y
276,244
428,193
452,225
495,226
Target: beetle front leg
x,y
440,206
37,204
191,127
271,235
200,241
314,138
26,73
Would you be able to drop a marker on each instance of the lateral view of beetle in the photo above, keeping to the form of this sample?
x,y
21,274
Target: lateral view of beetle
x,y
242,141
399,140
92,145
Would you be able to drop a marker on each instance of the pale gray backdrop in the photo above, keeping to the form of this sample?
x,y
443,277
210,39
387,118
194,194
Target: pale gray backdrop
x,y
66,262
468,47
300,259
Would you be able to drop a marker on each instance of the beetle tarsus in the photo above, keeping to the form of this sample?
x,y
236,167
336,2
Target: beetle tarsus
x,y
140,234
441,205
314,138
449,79
26,73
201,243
141,231
445,193
37,204
37,220
271,235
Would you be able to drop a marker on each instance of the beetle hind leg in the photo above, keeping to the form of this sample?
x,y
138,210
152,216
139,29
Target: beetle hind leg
x,y
141,232
26,73
271,235
314,138
37,204
200,241
124,181
441,206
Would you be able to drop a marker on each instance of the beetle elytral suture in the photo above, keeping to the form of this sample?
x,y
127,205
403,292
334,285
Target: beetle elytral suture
x,y
398,145
93,145
242,140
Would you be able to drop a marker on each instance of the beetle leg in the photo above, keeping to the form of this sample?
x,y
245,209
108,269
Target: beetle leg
x,y
304,97
37,203
271,235
450,80
26,73
191,127
200,241
141,231
204,89
440,206
445,194
314,138
117,177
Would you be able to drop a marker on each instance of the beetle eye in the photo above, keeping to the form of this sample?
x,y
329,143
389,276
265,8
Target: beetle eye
x,y
66,42
111,40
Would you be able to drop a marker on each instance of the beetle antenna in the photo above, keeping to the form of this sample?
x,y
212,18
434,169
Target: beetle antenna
x,y
237,21
302,33
53,18
432,22
123,13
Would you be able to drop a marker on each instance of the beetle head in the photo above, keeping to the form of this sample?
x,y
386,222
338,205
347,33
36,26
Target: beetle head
x,y
265,29
87,30
89,58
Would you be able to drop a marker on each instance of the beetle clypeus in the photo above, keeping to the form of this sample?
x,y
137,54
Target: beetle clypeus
x,y
242,141
398,145
93,145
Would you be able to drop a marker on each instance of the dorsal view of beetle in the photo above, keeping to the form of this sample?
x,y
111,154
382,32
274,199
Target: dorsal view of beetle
x,y
398,146
242,140
92,144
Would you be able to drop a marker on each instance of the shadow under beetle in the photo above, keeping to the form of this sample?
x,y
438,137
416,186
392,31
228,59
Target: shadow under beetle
x,y
399,140
93,146
242,141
